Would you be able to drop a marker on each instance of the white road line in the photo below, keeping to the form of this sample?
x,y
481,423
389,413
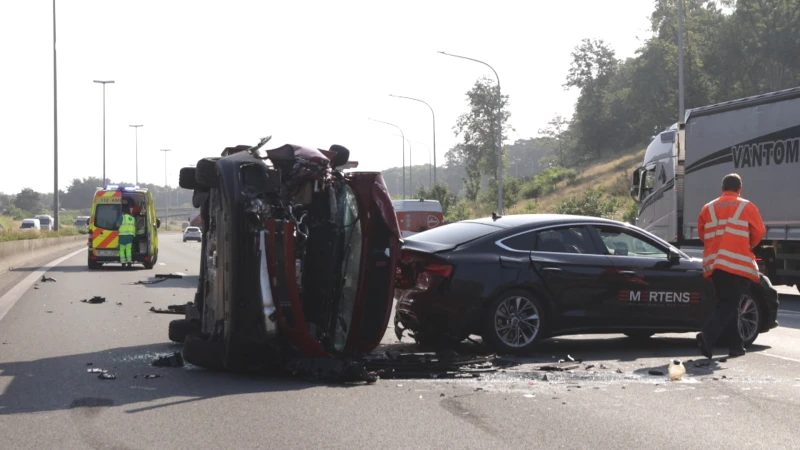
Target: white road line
x,y
789,313
778,356
15,293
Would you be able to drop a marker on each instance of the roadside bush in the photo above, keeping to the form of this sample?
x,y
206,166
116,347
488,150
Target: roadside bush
x,y
19,235
459,211
545,182
439,192
16,213
592,203
511,191
529,207
631,213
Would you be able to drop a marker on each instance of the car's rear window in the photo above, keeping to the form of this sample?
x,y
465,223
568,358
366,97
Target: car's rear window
x,y
192,229
454,233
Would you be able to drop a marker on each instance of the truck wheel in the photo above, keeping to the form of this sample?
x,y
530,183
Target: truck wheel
x,y
199,351
179,329
187,179
206,173
148,265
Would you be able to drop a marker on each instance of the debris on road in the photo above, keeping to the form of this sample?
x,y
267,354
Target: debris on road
x,y
107,376
46,279
119,303
151,281
659,373
95,370
176,275
559,367
174,360
148,376
589,366
171,309
676,370
95,300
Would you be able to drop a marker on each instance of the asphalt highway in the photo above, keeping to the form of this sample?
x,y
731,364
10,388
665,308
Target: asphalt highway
x,y
49,340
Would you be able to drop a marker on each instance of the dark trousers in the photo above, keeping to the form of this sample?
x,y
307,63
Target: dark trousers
x,y
725,319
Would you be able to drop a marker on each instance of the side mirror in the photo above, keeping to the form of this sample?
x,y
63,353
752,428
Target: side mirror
x,y
674,256
158,223
635,180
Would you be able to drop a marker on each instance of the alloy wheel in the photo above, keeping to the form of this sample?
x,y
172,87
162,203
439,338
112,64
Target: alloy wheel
x,y
516,321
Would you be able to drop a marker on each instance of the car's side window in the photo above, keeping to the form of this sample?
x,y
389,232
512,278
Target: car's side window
x,y
621,242
522,242
565,240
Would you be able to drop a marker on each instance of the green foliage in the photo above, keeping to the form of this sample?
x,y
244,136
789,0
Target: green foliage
x,y
28,200
459,211
439,192
511,191
18,235
631,213
529,207
15,213
592,203
546,181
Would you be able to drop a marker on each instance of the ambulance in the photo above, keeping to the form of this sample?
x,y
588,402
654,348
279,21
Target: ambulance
x,y
103,235
415,216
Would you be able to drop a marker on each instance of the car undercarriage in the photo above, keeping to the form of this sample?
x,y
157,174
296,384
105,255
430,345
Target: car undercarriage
x,y
297,258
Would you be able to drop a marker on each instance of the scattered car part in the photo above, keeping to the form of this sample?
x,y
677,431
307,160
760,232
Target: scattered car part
x,y
95,300
170,275
46,279
107,376
171,309
181,328
173,360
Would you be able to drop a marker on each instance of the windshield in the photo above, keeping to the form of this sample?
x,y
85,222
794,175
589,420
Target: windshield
x,y
44,220
27,225
348,220
106,215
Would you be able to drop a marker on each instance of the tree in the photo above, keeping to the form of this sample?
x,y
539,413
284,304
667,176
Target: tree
x,y
80,193
439,192
479,129
28,200
557,129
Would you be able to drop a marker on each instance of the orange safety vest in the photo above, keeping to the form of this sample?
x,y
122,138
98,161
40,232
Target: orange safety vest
x,y
730,228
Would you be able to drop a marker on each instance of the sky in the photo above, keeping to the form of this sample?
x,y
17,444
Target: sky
x,y
201,76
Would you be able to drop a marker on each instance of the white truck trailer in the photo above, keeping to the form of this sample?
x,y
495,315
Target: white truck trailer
x,y
756,137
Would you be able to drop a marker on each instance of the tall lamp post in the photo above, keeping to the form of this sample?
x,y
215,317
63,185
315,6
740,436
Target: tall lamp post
x,y
55,126
499,135
434,129
404,151
136,132
104,126
681,112
166,191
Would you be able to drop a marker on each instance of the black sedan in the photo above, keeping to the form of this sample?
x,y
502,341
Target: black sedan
x,y
515,280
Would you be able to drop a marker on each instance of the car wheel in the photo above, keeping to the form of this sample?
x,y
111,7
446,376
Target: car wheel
x,y
206,172
749,319
198,350
515,321
639,335
94,265
181,328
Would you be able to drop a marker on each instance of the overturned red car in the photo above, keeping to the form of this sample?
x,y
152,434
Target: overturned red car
x,y
298,257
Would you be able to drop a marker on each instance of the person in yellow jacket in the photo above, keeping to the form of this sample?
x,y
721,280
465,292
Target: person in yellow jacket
x,y
730,227
126,225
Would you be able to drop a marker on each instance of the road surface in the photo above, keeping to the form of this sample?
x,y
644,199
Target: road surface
x,y
49,338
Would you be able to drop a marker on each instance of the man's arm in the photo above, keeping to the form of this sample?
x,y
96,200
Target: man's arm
x,y
757,228
701,223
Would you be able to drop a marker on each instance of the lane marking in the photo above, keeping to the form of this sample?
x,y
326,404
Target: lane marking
x,y
778,356
13,295
789,312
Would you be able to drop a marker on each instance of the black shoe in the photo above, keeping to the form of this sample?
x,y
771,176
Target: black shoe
x,y
705,349
736,353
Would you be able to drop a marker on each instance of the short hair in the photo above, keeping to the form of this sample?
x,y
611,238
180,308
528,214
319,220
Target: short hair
x,y
732,182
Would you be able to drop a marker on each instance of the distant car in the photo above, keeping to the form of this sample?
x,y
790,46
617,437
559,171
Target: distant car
x,y
45,221
82,222
192,234
515,280
30,224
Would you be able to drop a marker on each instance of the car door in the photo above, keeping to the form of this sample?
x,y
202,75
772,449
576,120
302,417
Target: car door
x,y
654,291
573,271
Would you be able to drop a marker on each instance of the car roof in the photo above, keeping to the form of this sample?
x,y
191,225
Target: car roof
x,y
518,220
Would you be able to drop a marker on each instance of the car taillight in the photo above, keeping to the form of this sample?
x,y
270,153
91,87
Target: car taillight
x,y
430,273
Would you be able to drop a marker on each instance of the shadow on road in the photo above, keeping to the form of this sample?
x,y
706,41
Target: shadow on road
x,y
61,383
82,268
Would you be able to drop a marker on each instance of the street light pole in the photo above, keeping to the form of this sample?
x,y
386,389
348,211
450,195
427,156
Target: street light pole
x,y
104,126
404,151
434,129
166,191
680,62
55,126
136,132
499,133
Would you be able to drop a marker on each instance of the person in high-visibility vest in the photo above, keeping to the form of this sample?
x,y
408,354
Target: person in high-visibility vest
x,y
126,225
730,227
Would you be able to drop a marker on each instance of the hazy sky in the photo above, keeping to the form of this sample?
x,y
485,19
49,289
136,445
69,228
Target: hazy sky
x,y
202,75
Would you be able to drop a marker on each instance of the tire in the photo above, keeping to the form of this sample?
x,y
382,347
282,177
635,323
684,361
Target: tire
x,y
199,351
748,321
149,265
187,178
506,305
206,173
179,329
639,335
